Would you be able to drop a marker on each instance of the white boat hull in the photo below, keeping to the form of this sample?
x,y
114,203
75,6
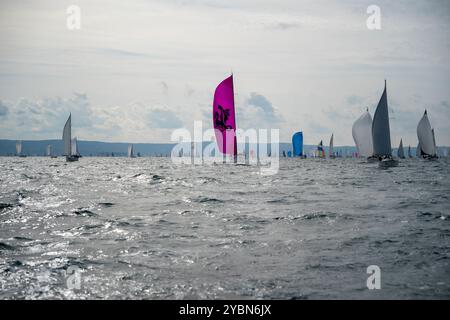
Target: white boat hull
x,y
387,163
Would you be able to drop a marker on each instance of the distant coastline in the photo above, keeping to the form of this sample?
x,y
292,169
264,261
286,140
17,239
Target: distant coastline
x,y
119,149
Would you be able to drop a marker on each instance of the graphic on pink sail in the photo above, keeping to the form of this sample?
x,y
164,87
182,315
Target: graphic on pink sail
x,y
224,118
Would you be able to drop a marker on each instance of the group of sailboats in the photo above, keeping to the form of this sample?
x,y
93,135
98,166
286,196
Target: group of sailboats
x,y
372,136
373,139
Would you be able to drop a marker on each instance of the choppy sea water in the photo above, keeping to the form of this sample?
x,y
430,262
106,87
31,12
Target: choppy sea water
x,y
145,228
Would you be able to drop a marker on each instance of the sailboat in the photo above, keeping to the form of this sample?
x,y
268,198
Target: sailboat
x,y
409,152
297,144
131,151
320,150
224,120
49,152
362,135
381,134
67,142
19,149
75,151
330,151
427,141
400,151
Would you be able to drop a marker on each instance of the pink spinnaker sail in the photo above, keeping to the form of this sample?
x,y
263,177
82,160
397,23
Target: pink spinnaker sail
x,y
224,118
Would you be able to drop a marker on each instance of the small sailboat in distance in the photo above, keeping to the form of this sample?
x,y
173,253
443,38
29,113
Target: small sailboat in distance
x,y
50,151
131,151
67,142
400,151
75,151
362,135
18,148
427,141
320,150
409,152
297,144
381,134
330,151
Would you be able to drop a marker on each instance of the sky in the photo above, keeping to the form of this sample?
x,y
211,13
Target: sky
x,y
138,69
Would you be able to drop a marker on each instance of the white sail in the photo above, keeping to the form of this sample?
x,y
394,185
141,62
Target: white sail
x,y
131,151
331,145
49,150
74,147
425,135
400,151
434,142
362,134
381,134
19,148
418,150
67,137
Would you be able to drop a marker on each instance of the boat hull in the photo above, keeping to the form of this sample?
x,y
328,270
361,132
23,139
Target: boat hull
x,y
388,163
428,157
71,158
372,159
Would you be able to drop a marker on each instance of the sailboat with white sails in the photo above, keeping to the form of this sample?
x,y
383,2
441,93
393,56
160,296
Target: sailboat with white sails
x,y
19,149
131,151
381,134
427,141
49,152
362,135
330,151
70,146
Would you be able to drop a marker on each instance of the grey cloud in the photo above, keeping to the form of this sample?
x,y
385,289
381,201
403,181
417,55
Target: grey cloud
x,y
164,119
258,100
47,116
4,110
259,113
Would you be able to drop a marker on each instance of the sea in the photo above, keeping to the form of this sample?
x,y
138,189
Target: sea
x,y
146,228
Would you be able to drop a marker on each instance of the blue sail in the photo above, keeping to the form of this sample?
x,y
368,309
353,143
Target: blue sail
x,y
297,144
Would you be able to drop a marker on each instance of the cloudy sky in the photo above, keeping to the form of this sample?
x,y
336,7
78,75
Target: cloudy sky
x,y
137,69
